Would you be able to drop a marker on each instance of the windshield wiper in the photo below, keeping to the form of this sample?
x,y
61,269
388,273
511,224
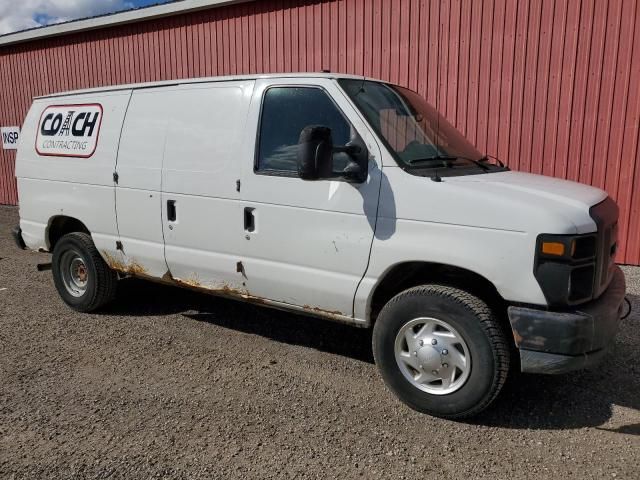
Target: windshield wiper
x,y
448,158
487,158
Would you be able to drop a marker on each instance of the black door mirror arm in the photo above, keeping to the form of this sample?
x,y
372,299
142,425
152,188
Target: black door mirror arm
x,y
351,150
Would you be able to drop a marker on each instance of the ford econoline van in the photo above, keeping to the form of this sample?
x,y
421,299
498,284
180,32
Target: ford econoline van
x,y
331,195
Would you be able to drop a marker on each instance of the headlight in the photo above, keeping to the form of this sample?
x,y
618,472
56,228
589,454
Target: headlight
x,y
567,247
565,266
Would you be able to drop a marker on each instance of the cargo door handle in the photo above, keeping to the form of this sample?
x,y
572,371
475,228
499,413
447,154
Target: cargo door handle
x,y
171,210
249,219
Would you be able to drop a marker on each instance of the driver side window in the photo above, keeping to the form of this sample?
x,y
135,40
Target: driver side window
x,y
285,112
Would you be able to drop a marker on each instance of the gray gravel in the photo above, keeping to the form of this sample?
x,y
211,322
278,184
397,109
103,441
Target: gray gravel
x,y
172,384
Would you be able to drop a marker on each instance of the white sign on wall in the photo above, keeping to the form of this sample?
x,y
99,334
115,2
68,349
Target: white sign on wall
x,y
69,130
10,137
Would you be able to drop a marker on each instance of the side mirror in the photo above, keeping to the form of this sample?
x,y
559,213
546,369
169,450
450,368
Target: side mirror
x,y
315,156
315,153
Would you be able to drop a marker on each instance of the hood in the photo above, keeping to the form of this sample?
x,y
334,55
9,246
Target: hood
x,y
529,185
514,201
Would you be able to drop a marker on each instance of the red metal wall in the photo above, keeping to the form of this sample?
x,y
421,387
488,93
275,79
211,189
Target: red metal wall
x,y
549,86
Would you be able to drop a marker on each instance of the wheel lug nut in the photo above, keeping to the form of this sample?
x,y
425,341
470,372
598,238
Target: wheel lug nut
x,y
434,341
421,342
435,372
445,365
445,351
415,354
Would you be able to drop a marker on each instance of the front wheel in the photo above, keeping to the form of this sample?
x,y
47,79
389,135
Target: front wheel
x,y
83,280
441,351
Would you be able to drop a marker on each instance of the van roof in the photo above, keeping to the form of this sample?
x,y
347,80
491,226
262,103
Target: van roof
x,y
133,86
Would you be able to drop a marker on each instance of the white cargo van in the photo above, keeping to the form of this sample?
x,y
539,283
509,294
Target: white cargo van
x,y
332,195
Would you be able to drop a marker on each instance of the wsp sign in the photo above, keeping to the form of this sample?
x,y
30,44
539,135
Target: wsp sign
x,y
10,137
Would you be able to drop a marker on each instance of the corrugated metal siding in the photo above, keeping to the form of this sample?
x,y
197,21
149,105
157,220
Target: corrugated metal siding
x,y
548,86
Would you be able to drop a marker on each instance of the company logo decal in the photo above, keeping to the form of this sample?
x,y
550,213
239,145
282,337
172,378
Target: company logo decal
x,y
69,130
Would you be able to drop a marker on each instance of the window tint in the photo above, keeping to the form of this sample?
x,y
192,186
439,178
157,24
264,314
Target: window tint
x,y
285,112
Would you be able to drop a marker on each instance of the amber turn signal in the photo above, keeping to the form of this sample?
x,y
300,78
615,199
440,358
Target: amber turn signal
x,y
553,248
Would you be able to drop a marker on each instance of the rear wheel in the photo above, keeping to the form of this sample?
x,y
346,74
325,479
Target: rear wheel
x,y
83,280
441,351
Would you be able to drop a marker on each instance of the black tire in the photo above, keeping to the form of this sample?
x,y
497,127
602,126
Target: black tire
x,y
101,281
473,320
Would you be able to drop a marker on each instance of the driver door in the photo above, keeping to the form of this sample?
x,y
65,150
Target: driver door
x,y
306,243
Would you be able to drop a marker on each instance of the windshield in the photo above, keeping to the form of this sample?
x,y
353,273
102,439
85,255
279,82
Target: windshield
x,y
415,133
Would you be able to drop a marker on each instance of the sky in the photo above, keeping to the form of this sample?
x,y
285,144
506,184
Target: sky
x,y
16,15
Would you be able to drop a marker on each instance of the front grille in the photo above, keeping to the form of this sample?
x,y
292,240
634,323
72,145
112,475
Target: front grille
x,y
605,215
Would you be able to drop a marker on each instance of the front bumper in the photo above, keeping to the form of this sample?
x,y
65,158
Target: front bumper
x,y
562,341
16,232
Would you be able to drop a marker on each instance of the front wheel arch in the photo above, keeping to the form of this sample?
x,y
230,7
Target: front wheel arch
x,y
405,275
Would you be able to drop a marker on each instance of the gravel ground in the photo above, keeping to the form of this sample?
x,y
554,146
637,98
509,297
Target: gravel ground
x,y
168,383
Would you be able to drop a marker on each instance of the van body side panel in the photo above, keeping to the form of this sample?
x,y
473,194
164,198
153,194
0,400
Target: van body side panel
x,y
138,197
489,253
53,184
311,242
201,214
413,226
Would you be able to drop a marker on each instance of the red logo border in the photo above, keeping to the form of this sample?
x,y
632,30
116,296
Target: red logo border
x,y
69,154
